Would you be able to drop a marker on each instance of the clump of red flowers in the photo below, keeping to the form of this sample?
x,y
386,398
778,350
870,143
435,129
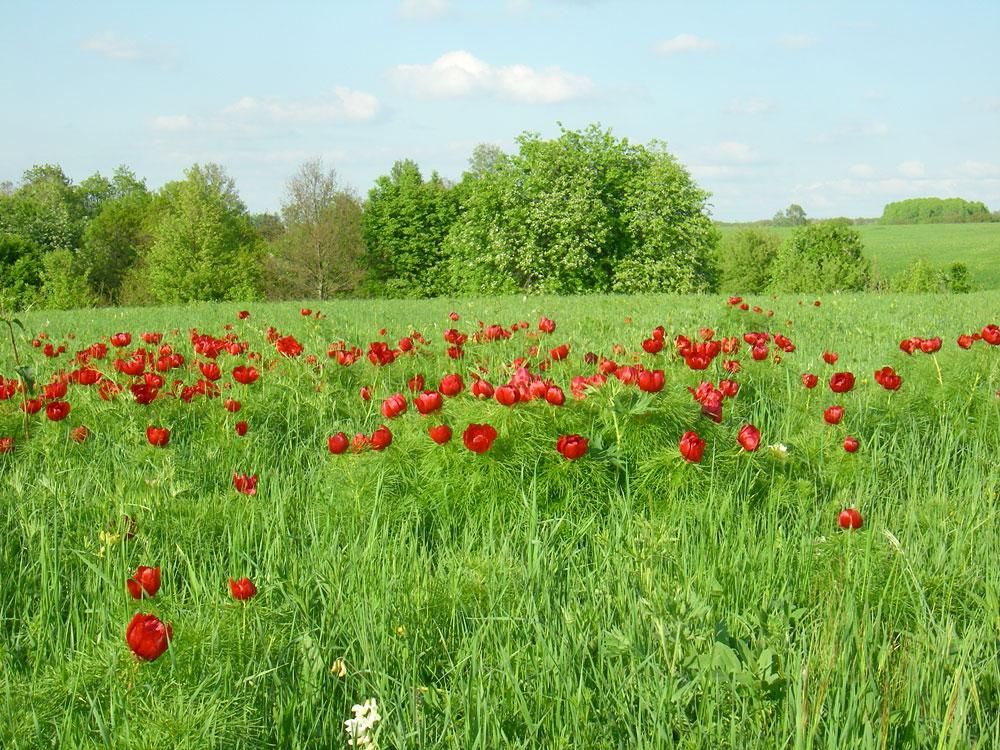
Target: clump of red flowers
x,y
572,447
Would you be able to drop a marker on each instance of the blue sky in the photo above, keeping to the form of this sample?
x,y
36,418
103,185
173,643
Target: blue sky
x,y
840,107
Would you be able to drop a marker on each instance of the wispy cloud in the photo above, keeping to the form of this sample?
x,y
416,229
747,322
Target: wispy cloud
x,y
854,130
730,152
423,9
684,43
257,116
862,170
911,168
460,73
754,106
110,45
980,169
795,41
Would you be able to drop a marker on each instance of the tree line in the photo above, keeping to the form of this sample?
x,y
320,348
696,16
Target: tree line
x,y
583,212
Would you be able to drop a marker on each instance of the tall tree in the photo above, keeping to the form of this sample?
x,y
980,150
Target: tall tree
x,y
319,253
406,220
203,246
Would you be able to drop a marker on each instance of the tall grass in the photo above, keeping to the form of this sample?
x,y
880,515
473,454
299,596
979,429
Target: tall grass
x,y
515,599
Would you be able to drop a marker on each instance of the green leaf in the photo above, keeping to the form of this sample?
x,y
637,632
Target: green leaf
x,y
27,375
17,322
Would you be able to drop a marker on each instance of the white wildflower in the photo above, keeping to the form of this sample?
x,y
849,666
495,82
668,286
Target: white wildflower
x,y
360,727
779,451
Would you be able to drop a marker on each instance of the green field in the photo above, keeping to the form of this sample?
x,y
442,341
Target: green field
x,y
515,599
893,247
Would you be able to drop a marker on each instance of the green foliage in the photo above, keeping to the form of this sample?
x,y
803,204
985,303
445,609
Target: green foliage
x,y
822,257
745,258
793,216
584,211
935,211
203,246
113,241
920,277
957,279
20,277
404,226
64,287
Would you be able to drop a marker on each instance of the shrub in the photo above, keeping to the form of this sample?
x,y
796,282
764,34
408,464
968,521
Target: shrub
x,y
920,277
957,279
745,259
64,287
823,257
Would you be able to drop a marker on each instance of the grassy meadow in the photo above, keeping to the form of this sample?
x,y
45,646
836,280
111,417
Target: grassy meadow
x,y
516,599
893,247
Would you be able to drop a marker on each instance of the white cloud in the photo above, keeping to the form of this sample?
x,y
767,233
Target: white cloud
x,y
862,170
795,41
684,43
108,44
423,9
867,130
460,73
980,169
755,106
911,168
171,123
345,105
730,152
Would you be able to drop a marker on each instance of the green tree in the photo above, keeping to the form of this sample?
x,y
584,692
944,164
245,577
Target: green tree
x,y
405,222
935,211
745,258
203,246
113,242
20,277
822,257
319,253
793,216
581,212
63,285
919,277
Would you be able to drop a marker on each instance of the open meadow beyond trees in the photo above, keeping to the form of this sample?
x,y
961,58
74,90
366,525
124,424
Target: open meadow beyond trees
x,y
576,522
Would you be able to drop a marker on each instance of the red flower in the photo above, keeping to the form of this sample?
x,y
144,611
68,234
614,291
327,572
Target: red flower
x,y
809,380
394,405
152,338
380,439
451,385
849,518
245,375
830,357
453,315
652,346
245,483
158,436
210,370
232,405
147,636
338,443
6,444
241,428
55,390
146,580
929,346
692,447
851,444
888,379
440,434
749,437
729,388
243,314
545,325
305,312
560,352
32,405
57,410
79,434
841,382
555,396
572,447
121,339
965,341
427,402
366,393
482,389
506,395
833,414
242,590
287,346
479,437
991,334
651,381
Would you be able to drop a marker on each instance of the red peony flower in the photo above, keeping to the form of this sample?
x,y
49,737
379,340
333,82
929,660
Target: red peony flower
x,y
692,447
147,636
651,381
849,518
158,436
243,314
79,434
242,590
245,375
6,444
394,406
428,401
241,428
809,380
451,385
145,581
232,405
572,447
482,389
121,339
830,357
210,370
851,444
57,410
506,395
749,437
479,437
287,346
545,325
338,443
833,414
440,434
841,382
555,396
245,483
380,439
